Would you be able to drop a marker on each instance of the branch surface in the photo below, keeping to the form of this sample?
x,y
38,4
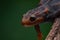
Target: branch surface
x,y
54,33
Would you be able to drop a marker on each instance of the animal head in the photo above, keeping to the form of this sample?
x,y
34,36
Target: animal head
x,y
35,16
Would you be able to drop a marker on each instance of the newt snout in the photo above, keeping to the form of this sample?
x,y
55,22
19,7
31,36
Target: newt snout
x,y
32,21
35,17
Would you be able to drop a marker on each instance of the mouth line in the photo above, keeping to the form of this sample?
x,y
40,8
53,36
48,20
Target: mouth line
x,y
27,25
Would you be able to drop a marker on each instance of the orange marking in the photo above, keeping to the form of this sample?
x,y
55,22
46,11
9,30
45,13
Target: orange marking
x,y
39,34
46,10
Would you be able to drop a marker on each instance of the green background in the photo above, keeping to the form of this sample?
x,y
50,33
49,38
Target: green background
x,y
11,16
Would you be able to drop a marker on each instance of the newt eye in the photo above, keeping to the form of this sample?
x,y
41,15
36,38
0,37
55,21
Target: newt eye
x,y
32,19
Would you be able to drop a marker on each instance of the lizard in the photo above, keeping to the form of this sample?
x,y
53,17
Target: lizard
x,y
47,11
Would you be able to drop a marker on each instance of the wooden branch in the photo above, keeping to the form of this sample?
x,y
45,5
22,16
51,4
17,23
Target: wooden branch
x,y
54,33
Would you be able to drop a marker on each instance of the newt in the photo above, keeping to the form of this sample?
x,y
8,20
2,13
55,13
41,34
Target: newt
x,y
47,11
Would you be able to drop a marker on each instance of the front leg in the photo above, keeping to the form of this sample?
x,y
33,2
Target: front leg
x,y
39,34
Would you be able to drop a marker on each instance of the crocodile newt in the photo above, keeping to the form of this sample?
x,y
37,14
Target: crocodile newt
x,y
47,11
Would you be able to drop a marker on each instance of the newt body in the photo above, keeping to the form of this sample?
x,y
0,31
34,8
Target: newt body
x,y
47,10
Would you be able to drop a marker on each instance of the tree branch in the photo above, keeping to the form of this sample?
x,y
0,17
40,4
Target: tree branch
x,y
54,33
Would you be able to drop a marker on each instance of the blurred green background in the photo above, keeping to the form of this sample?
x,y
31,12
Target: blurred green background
x,y
11,16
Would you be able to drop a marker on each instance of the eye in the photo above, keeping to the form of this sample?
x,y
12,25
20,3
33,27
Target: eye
x,y
32,19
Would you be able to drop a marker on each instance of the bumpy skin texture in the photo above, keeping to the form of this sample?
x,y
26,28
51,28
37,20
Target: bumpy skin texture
x,y
47,11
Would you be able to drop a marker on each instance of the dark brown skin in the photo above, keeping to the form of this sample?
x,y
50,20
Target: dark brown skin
x,y
48,10
36,24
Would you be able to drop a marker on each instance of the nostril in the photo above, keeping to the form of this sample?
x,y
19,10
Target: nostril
x,y
32,18
22,23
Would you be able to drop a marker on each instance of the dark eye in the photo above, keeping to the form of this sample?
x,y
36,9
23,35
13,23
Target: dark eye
x,y
32,19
